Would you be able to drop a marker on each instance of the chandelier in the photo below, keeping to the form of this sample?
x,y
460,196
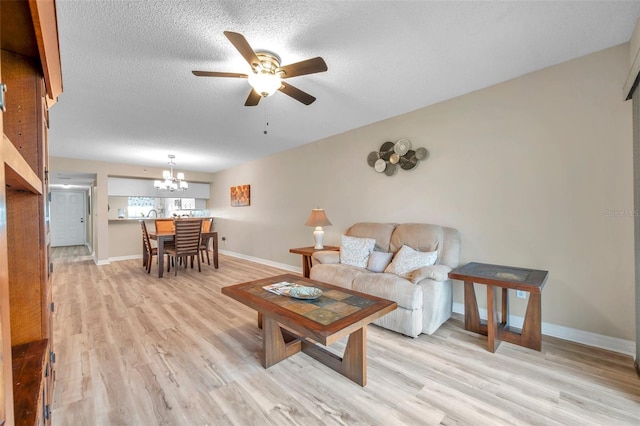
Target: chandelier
x,y
170,183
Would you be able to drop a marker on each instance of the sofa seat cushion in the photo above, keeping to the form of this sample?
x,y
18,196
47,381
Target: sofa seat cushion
x,y
392,287
336,274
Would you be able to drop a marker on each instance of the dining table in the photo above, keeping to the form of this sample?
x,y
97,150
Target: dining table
x,y
163,237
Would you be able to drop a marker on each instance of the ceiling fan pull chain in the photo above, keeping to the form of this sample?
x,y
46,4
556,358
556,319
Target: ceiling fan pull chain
x,y
266,121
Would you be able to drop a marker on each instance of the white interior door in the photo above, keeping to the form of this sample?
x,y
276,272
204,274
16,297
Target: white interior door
x,y
68,214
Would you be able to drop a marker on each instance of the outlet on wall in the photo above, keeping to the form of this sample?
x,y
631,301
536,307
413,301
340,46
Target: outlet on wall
x,y
521,294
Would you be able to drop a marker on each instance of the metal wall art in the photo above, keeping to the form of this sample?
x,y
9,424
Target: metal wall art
x,y
396,155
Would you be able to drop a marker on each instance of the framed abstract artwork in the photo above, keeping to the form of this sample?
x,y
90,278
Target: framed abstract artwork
x,y
240,195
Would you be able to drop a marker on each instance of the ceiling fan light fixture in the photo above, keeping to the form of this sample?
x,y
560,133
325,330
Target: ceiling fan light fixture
x,y
265,83
266,76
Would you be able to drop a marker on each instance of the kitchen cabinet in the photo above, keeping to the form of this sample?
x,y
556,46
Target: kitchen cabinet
x,y
187,203
133,187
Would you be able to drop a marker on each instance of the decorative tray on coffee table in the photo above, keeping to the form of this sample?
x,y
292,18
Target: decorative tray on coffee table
x,y
305,292
294,290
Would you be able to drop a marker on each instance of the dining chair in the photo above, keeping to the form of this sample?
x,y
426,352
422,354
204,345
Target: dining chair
x,y
204,241
151,251
187,243
165,225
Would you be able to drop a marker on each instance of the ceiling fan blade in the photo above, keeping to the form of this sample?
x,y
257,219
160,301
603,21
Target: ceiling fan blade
x,y
241,43
296,93
253,99
309,66
219,74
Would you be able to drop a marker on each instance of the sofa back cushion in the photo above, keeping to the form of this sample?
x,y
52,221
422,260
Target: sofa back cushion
x,y
425,237
381,232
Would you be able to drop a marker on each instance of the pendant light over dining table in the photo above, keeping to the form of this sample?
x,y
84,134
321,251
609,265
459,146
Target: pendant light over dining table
x,y
169,182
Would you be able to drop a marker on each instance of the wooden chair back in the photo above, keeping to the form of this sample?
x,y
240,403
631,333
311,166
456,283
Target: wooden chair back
x,y
187,238
145,237
165,225
206,224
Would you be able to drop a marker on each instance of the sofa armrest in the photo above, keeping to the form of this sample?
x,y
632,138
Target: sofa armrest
x,y
326,257
433,272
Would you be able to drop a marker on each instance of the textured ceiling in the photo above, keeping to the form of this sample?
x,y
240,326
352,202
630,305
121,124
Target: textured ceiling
x,y
129,95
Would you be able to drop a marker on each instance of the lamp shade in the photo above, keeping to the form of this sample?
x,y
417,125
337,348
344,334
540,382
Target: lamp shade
x,y
318,218
264,83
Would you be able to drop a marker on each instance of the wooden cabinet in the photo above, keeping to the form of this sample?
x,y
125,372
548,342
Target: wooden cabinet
x,y
30,69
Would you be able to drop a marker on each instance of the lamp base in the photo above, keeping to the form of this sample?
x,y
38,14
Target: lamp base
x,y
318,236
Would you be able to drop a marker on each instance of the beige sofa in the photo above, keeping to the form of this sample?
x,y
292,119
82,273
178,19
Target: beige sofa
x,y
424,298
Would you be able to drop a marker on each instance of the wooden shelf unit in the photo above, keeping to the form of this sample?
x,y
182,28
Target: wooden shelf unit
x,y
30,68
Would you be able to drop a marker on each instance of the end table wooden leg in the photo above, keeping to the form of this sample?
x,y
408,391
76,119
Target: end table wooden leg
x,y
505,306
471,313
532,327
493,330
306,266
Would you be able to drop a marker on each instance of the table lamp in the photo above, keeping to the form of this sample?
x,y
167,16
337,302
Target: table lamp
x,y
318,219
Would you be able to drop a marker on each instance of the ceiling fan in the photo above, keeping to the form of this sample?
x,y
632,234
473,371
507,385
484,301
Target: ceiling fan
x,y
268,75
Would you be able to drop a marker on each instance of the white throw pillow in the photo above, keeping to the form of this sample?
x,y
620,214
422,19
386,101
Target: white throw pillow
x,y
378,261
408,260
355,251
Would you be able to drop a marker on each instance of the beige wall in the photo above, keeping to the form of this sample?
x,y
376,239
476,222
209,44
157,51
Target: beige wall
x,y
534,172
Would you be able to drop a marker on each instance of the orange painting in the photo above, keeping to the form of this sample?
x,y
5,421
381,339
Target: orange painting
x,y
240,195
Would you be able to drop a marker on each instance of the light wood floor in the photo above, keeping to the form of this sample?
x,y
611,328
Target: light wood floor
x,y
133,349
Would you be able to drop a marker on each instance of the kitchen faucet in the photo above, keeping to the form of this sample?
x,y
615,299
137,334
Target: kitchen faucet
x,y
154,211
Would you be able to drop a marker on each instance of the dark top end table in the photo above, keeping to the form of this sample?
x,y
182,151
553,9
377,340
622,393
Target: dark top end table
x,y
506,277
306,253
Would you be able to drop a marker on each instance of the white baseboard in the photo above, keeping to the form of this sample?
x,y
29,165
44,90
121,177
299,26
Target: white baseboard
x,y
263,261
102,262
130,257
571,334
225,252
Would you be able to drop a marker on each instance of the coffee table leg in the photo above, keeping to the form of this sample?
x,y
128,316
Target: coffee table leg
x,y
273,346
354,360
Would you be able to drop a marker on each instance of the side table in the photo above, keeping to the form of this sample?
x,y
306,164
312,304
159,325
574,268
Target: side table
x,y
306,253
506,277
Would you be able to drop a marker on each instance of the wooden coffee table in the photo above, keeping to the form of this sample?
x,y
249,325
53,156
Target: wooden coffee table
x,y
293,325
